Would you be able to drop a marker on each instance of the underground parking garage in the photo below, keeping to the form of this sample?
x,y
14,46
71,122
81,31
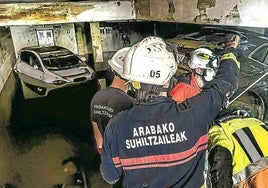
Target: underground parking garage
x,y
40,134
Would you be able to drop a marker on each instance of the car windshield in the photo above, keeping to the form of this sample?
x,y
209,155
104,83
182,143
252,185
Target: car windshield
x,y
213,35
60,62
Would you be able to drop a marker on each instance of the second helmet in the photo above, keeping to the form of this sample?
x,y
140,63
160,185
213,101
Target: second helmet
x,y
203,58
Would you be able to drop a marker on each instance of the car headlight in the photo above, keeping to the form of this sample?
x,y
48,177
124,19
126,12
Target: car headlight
x,y
58,82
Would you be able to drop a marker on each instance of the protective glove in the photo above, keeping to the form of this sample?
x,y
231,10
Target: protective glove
x,y
232,42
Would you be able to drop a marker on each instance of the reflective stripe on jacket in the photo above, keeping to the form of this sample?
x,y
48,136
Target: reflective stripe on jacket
x,y
246,139
162,143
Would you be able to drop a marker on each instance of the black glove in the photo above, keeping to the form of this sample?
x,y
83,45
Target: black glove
x,y
220,161
230,38
231,43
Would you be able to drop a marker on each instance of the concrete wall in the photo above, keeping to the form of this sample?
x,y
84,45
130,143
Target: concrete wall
x,y
7,57
63,35
74,36
116,35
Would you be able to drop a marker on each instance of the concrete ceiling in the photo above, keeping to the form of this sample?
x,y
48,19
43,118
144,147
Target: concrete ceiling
x,y
64,12
249,13
42,1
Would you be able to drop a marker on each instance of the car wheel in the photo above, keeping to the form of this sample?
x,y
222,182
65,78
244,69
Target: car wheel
x,y
252,104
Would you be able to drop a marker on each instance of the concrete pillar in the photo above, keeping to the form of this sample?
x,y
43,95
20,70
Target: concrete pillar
x,y
97,47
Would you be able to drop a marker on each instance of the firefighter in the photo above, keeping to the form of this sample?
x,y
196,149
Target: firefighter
x,y
204,64
111,100
238,152
158,142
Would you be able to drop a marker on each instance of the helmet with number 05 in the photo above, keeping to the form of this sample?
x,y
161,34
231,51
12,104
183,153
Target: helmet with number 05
x,y
149,62
203,58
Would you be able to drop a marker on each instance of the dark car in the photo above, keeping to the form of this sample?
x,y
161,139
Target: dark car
x,y
44,69
252,53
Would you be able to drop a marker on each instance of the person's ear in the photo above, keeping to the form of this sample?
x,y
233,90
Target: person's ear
x,y
166,85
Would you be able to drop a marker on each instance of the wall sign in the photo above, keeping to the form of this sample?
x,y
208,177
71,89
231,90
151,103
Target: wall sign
x,y
45,38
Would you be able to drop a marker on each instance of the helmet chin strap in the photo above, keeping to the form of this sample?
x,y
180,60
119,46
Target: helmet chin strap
x,y
200,79
201,75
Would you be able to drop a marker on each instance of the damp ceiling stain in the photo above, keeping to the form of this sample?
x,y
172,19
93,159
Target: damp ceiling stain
x,y
42,12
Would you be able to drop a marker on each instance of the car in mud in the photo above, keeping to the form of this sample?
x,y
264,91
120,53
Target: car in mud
x,y
252,53
46,69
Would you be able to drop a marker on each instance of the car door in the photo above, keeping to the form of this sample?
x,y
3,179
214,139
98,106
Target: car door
x,y
260,54
253,66
29,70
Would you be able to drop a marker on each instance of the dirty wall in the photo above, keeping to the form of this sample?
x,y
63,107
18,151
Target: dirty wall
x,y
115,35
61,34
74,36
250,13
7,57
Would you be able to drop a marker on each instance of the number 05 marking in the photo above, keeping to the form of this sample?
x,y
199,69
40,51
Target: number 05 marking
x,y
155,74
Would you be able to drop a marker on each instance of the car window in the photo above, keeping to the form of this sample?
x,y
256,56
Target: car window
x,y
61,62
34,62
25,56
30,59
260,54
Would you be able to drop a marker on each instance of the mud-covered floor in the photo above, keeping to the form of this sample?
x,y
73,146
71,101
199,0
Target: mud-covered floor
x,y
38,135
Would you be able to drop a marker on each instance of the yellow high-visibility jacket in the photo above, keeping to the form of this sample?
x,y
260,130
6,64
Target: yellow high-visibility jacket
x,y
247,141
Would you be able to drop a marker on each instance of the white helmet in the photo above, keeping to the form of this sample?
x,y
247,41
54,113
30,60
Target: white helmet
x,y
149,62
204,59
117,60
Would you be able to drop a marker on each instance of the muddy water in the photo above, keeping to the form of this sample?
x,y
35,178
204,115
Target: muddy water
x,y
37,135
